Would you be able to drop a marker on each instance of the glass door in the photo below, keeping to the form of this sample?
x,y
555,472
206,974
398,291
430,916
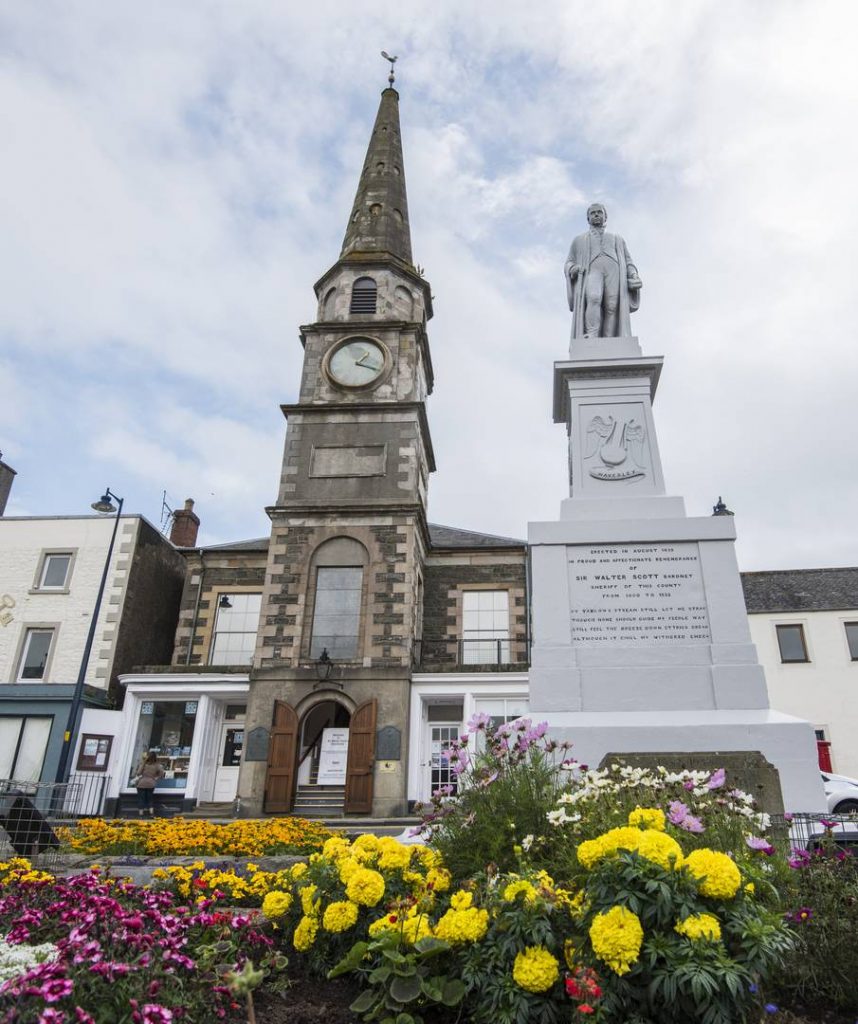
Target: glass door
x,y
440,772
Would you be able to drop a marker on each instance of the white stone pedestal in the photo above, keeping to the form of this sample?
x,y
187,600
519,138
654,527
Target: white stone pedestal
x,y
640,634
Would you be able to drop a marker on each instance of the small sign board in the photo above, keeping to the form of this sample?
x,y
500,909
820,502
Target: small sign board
x,y
93,753
333,757
388,744
256,748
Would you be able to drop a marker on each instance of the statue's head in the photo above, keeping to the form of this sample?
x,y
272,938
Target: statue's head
x,y
597,215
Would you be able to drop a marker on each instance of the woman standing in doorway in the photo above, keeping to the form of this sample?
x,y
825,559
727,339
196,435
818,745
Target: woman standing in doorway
x,y
147,779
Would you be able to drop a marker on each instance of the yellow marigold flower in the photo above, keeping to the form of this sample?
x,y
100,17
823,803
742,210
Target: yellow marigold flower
x,y
340,916
297,870
647,817
661,849
700,926
458,926
429,858
545,880
415,927
535,969
276,904
616,937
573,901
335,847
716,872
365,887
367,843
439,878
750,888
388,923
305,934
521,886
461,900
346,867
393,855
309,901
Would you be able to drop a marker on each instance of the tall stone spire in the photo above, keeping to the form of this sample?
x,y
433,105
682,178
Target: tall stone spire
x,y
379,219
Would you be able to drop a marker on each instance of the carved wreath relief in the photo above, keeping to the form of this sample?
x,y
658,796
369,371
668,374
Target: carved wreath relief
x,y
616,445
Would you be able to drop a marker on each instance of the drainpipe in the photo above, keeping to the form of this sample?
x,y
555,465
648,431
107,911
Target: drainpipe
x,y
196,608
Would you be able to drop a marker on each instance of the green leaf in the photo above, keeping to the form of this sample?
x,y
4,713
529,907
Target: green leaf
x,y
404,1018
394,955
430,946
404,990
453,993
379,975
363,1002
350,961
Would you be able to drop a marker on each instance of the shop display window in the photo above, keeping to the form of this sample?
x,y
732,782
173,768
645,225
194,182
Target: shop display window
x,y
166,727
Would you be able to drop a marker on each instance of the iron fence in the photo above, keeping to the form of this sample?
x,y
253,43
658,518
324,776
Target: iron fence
x,y
30,812
814,831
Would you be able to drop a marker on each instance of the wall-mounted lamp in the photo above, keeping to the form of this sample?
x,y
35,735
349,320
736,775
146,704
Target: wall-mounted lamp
x,y
224,601
324,666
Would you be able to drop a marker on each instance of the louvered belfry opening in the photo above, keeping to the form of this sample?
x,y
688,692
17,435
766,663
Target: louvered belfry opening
x,y
364,296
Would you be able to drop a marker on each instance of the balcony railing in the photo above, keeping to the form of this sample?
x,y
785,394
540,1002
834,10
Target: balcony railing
x,y
463,654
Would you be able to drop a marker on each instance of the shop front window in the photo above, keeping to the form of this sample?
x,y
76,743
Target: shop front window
x,y
166,727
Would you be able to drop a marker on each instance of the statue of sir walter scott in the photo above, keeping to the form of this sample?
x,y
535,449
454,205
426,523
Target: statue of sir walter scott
x,y
602,282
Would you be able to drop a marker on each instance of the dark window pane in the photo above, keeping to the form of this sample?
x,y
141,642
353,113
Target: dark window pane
x,y
791,643
56,570
852,639
38,644
336,616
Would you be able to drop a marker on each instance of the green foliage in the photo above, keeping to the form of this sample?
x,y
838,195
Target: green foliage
x,y
400,980
677,980
821,903
508,781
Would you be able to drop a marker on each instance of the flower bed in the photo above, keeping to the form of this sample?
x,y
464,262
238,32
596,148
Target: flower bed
x,y
180,837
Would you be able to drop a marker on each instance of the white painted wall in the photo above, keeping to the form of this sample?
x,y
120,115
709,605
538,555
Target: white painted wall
x,y
823,690
22,541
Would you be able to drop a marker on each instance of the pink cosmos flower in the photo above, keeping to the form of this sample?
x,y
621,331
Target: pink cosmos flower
x,y
677,812
692,824
763,845
717,779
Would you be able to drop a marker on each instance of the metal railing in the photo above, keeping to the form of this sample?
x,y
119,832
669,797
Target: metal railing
x,y
815,831
462,653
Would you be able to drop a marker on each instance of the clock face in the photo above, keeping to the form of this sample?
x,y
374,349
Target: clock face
x,y
357,362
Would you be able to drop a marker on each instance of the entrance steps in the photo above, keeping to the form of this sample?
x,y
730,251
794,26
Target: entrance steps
x,y
377,826
225,809
319,801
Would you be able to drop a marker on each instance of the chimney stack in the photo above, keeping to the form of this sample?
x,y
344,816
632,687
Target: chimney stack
x,y
186,525
7,475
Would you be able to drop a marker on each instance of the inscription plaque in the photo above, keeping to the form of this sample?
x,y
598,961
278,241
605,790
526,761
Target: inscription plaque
x,y
257,744
388,744
637,593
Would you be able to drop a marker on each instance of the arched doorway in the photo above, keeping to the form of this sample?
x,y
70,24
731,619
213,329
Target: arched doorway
x,y
316,778
324,732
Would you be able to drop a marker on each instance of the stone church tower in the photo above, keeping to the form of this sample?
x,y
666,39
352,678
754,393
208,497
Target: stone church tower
x,y
343,585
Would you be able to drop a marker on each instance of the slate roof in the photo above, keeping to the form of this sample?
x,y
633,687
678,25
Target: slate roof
x,y
439,537
451,537
801,590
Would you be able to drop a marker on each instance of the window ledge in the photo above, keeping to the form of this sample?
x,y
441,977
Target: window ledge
x,y
49,590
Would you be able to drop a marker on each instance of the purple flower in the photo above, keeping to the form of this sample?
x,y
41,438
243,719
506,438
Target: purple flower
x,y
718,779
689,785
692,824
51,1016
827,824
677,812
763,845
479,721
154,1013
799,859
56,989
770,1008
788,816
800,916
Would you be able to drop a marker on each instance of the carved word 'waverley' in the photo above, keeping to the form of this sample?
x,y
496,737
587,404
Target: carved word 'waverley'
x,y
618,444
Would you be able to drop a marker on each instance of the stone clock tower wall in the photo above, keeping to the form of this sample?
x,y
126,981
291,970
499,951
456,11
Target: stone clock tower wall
x,y
352,493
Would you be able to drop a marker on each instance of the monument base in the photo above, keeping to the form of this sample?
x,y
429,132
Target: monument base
x,y
784,741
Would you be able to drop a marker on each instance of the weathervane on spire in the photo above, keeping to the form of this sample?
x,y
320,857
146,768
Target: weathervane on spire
x,y
392,60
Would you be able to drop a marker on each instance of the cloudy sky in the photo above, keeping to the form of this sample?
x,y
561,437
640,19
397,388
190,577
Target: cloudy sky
x,y
176,177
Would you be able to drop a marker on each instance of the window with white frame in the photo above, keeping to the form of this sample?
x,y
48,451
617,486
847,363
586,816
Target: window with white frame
x,y
236,624
852,639
34,654
485,627
501,709
23,742
54,572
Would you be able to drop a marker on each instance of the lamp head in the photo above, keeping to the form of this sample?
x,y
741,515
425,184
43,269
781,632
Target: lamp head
x,y
104,504
324,665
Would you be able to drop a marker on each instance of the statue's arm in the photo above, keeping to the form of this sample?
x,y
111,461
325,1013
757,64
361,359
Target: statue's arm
x,y
571,270
632,275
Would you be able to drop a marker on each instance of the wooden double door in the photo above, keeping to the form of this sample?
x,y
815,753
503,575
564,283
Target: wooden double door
x,y
283,759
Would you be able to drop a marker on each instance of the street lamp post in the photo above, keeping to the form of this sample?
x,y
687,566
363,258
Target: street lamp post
x,y
105,506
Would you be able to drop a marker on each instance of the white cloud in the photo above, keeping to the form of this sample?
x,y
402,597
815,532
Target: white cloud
x,y
175,179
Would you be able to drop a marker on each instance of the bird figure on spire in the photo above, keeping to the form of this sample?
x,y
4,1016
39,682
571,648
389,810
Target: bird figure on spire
x,y
392,60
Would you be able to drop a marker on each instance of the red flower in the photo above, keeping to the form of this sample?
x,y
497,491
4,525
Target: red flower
x,y
584,1008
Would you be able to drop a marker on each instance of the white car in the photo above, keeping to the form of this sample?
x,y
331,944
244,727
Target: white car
x,y
841,793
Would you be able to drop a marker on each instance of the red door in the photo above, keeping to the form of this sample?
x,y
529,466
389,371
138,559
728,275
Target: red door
x,y
361,759
280,779
823,752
